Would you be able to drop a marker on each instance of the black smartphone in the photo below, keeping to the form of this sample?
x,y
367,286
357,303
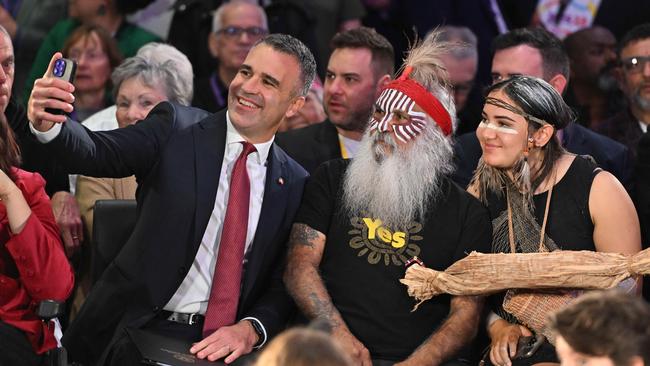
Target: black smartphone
x,y
63,69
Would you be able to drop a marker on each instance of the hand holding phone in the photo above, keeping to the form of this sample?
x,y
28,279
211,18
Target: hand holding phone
x,y
63,69
527,346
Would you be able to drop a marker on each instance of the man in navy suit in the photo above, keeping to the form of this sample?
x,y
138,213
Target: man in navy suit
x,y
161,279
536,52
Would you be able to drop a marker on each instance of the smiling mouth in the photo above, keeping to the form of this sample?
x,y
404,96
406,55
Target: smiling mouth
x,y
247,103
490,147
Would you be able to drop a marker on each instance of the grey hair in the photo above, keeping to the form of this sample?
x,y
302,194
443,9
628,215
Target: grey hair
x,y
3,30
291,46
159,64
427,70
217,18
464,40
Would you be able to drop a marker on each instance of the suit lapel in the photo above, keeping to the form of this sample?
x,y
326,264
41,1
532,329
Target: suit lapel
x,y
328,139
210,144
271,216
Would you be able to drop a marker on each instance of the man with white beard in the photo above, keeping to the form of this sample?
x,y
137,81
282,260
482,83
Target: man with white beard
x,y
362,220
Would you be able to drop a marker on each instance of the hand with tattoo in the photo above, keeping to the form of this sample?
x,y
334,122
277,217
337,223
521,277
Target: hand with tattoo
x,y
306,286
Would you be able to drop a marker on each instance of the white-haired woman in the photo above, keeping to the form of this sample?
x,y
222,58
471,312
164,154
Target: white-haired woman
x,y
159,72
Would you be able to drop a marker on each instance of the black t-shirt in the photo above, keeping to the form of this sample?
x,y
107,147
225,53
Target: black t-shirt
x,y
364,260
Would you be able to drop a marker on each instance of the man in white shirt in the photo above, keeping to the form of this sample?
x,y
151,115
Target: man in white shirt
x,y
162,278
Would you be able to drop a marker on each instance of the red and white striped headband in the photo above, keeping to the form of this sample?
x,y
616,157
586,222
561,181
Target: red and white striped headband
x,y
423,98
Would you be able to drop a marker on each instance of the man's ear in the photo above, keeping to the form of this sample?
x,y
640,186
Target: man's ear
x,y
295,106
558,82
543,135
212,45
385,79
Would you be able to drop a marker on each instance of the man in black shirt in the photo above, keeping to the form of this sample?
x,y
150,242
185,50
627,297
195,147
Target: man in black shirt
x,y
361,220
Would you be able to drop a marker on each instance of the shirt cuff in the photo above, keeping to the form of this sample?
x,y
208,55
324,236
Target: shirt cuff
x,y
47,136
491,318
263,330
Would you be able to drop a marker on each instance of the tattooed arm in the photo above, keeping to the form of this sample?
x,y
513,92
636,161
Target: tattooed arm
x,y
455,332
308,290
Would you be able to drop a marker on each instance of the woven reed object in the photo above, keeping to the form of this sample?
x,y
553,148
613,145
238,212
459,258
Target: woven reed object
x,y
482,274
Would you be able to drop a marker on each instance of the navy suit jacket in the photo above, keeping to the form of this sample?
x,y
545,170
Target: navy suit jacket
x,y
609,154
176,155
312,145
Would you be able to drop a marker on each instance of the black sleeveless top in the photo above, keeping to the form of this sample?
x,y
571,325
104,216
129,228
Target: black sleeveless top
x,y
569,220
569,225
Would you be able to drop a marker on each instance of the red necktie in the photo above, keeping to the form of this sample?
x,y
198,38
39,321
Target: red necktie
x,y
226,281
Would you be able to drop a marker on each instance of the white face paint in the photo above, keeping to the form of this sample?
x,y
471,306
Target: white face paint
x,y
498,127
393,105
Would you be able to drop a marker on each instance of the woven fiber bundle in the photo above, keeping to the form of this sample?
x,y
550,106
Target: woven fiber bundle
x,y
483,274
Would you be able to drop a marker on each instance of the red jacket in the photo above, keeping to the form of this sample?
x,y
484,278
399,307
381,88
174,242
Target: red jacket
x,y
33,265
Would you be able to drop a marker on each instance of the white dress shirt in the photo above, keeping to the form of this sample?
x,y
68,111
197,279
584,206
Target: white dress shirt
x,y
193,294
103,120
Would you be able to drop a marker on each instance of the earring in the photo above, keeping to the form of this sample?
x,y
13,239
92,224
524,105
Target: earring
x,y
521,174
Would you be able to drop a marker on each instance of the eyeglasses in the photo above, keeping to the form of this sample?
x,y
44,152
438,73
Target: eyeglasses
x,y
635,64
236,32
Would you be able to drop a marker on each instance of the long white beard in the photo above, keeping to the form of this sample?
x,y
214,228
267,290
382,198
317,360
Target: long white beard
x,y
396,187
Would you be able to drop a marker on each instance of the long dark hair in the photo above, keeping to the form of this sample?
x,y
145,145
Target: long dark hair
x,y
9,151
536,98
